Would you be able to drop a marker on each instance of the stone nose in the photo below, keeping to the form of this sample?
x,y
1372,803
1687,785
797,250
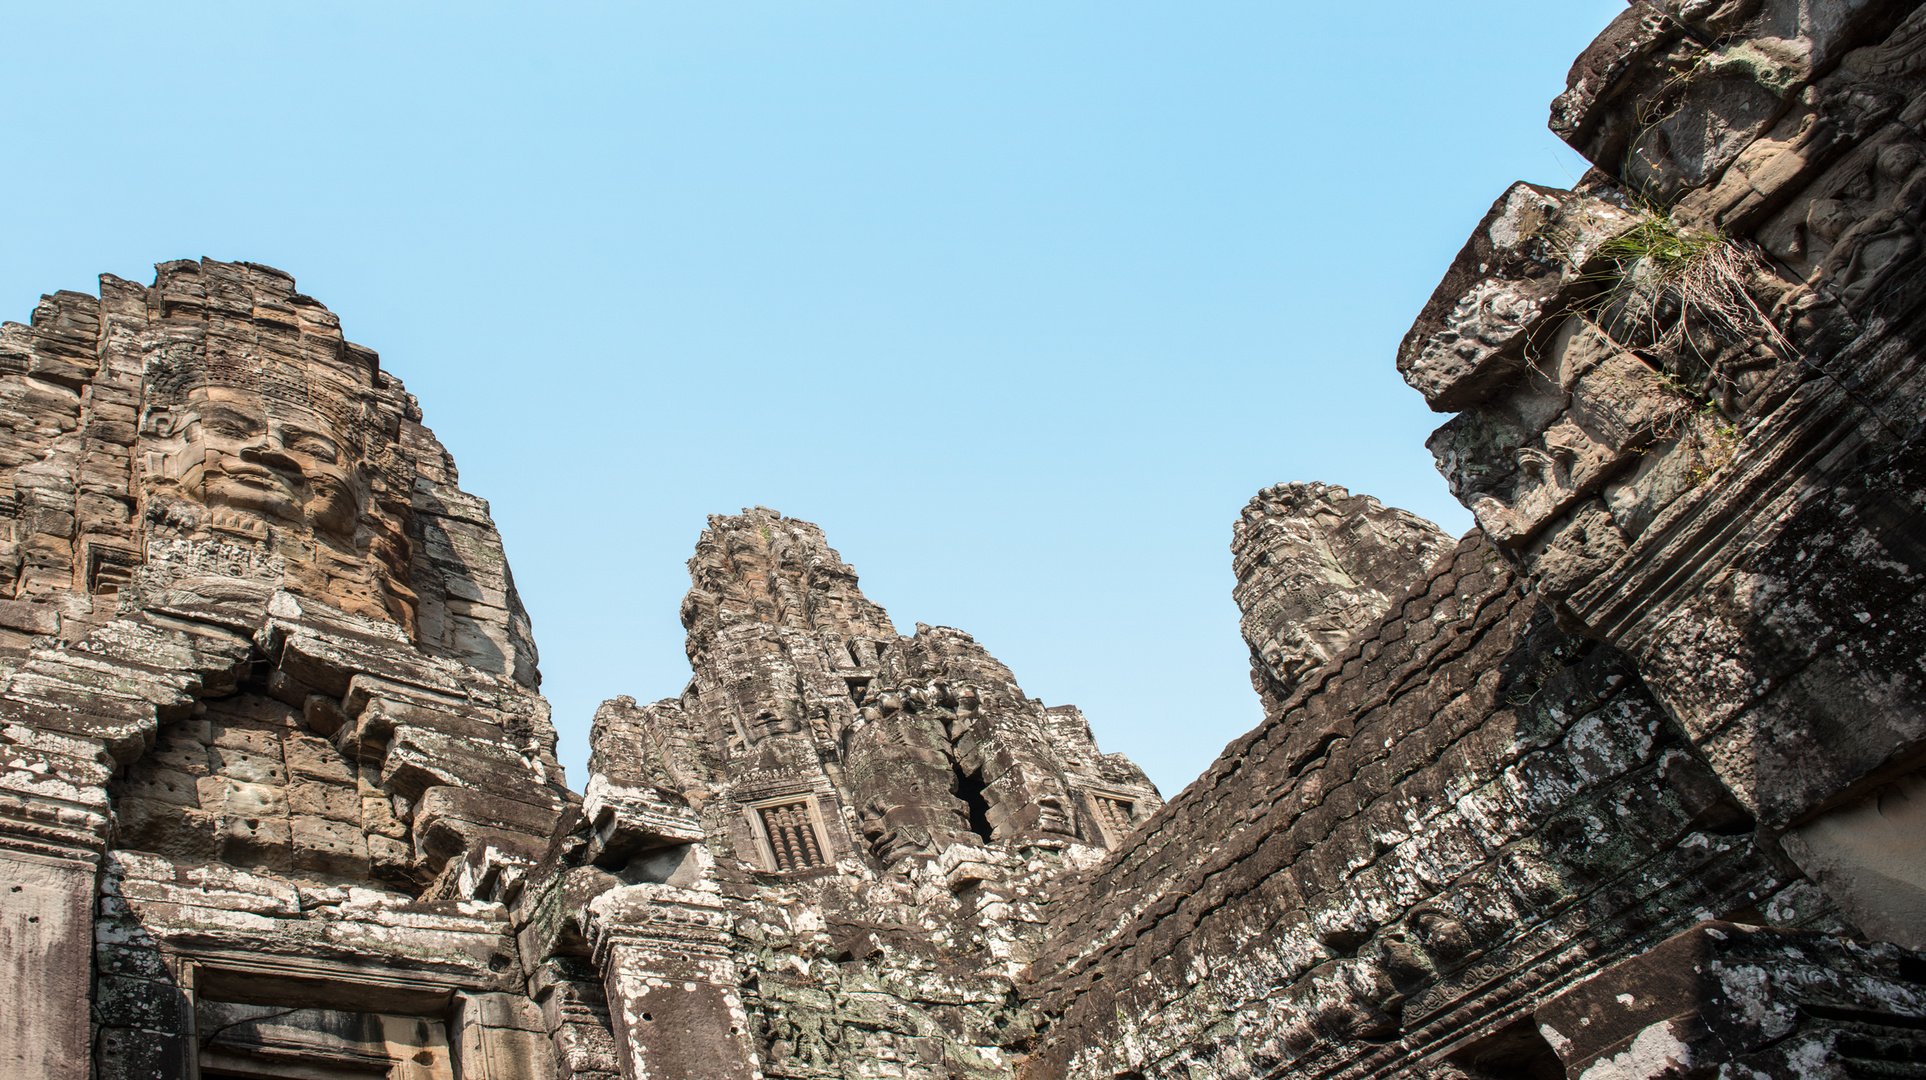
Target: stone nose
x,y
269,457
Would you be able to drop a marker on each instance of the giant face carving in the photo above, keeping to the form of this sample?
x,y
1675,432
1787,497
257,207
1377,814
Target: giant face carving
x,y
262,461
282,453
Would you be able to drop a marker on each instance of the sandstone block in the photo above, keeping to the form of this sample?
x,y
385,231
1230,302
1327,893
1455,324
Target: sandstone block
x,y
316,759
1527,263
332,847
339,802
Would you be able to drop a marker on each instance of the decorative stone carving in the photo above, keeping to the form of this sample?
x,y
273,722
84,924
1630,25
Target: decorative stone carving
x,y
279,797
1527,264
234,682
1683,466
1315,565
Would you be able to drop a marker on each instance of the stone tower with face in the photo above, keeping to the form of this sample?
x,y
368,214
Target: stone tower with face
x,y
211,439
900,746
261,426
251,629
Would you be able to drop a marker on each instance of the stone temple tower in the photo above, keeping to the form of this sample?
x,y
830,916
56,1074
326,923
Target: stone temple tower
x,y
836,791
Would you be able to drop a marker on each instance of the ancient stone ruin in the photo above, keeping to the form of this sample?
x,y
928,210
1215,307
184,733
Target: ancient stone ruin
x,y
1625,784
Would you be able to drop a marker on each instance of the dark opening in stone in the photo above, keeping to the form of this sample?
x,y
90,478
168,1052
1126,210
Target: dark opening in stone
x,y
1515,1050
969,788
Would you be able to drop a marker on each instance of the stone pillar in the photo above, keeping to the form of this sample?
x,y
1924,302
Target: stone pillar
x,y
666,962
46,956
53,828
501,1037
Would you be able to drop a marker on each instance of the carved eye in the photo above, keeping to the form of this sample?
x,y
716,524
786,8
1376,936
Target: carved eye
x,y
315,447
229,427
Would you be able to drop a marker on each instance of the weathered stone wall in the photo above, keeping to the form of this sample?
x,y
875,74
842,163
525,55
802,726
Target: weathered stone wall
x,y
1467,811
871,822
1625,783
278,754
265,684
1693,416
1679,663
1736,1000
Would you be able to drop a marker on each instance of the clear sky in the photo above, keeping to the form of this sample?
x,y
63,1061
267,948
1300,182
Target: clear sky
x,y
1021,302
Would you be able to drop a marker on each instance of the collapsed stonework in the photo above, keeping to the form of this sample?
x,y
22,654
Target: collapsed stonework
x,y
1625,783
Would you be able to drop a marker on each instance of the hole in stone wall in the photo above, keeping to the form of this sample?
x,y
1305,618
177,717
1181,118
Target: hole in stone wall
x,y
1912,969
1514,1052
969,788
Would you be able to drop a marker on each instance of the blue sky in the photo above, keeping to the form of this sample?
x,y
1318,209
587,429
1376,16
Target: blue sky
x,y
1020,302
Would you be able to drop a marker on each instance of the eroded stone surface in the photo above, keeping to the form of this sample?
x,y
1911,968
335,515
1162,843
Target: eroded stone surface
x,y
875,819
1315,565
1467,811
1625,783
1713,463
265,679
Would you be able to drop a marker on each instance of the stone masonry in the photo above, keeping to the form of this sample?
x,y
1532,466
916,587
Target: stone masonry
x,y
1625,784
1315,565
1628,786
266,683
875,818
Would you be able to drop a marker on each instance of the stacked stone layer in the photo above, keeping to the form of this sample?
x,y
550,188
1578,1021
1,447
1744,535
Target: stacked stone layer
x,y
266,686
878,817
1466,812
1674,676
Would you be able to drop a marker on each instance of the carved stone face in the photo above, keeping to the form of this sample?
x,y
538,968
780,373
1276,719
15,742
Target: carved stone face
x,y
1441,934
903,831
281,456
260,459
784,720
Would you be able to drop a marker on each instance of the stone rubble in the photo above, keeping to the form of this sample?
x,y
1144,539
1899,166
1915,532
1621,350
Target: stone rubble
x,y
1622,785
